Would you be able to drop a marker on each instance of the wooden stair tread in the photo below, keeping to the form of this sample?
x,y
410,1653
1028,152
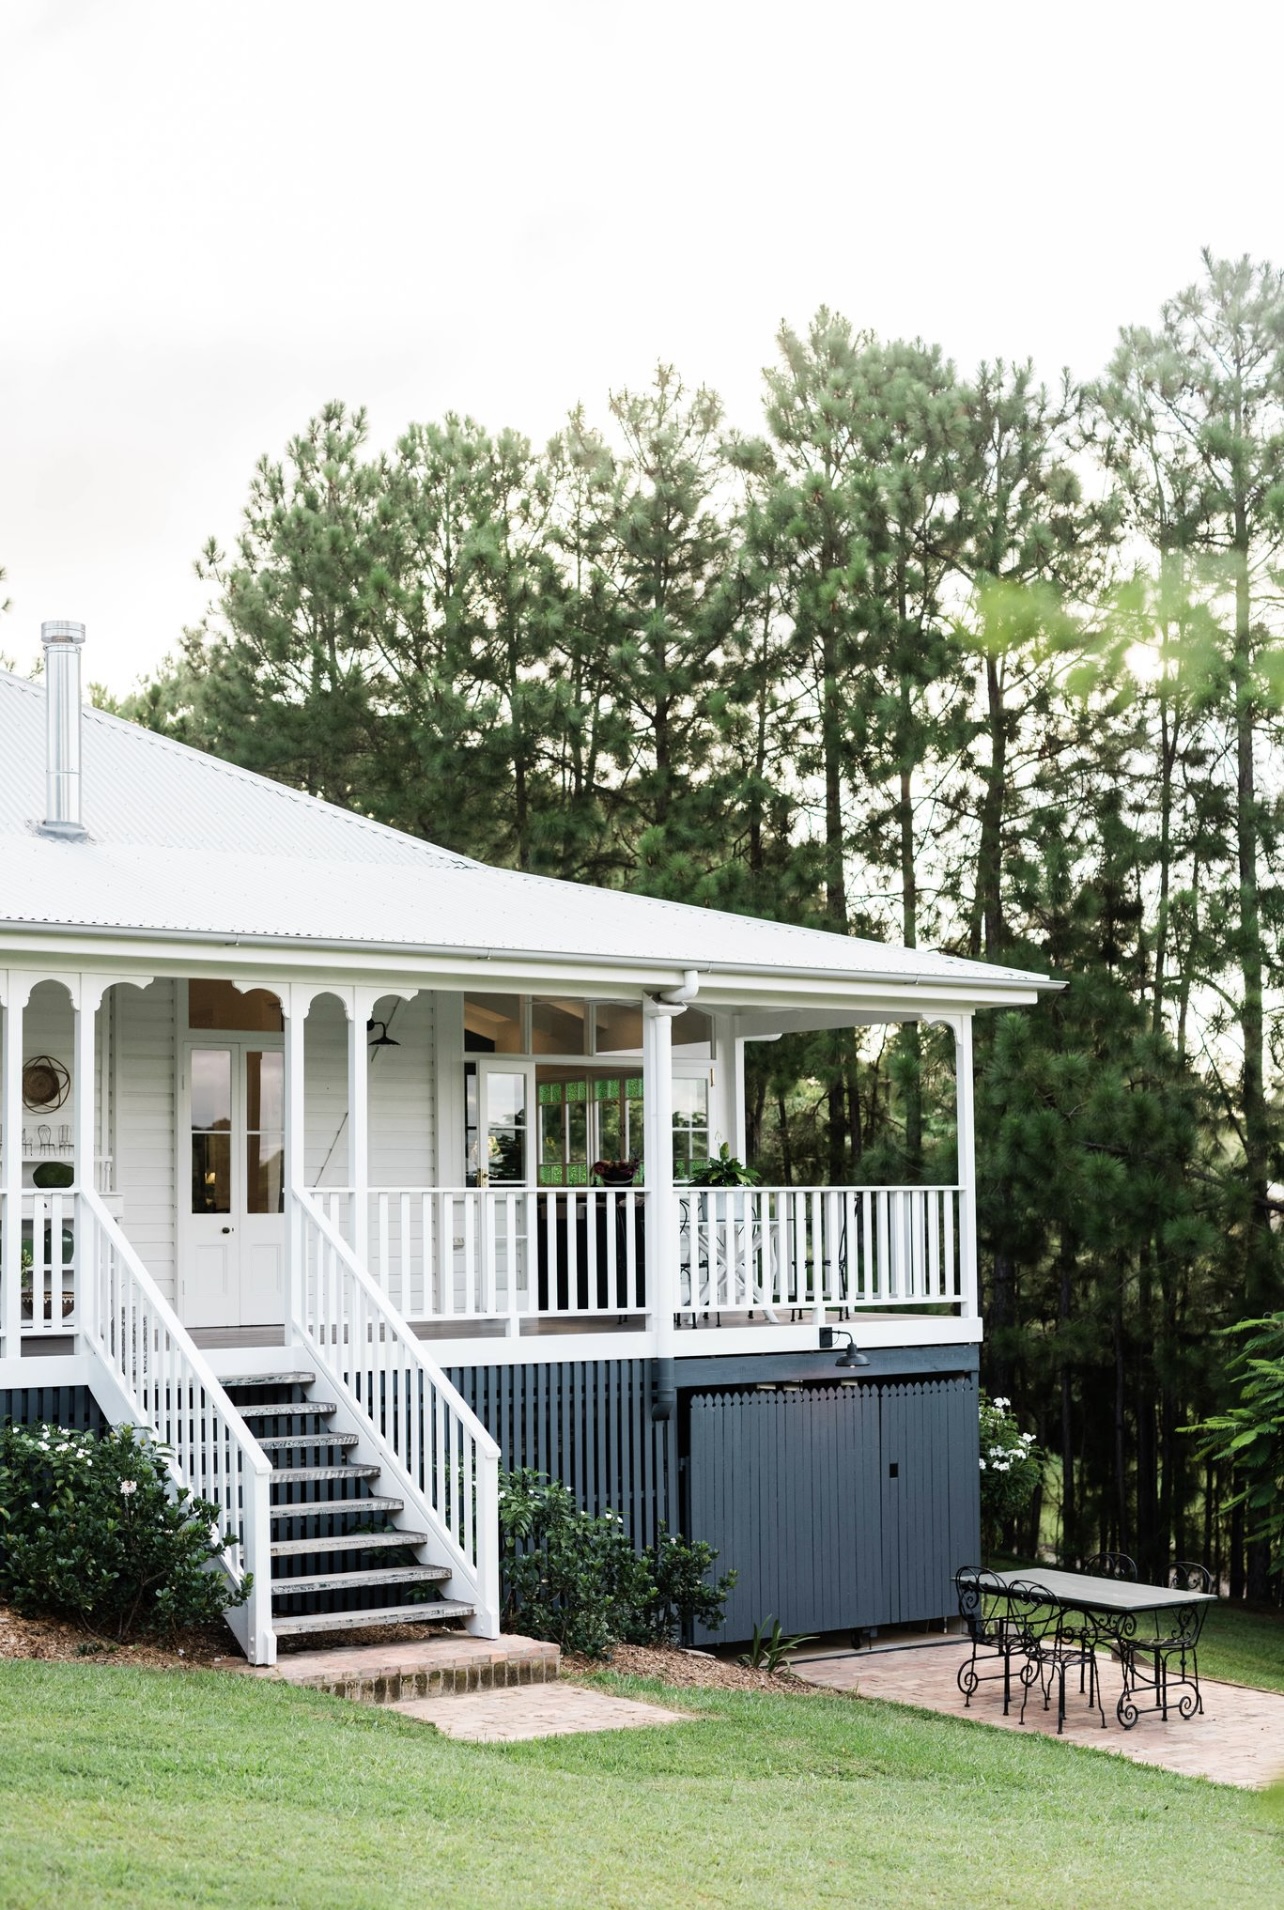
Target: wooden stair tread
x,y
435,1612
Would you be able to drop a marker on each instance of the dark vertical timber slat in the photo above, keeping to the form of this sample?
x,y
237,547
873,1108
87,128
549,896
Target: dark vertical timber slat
x,y
72,1407
587,1423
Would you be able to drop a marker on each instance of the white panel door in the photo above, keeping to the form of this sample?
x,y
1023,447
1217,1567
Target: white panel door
x,y
232,1250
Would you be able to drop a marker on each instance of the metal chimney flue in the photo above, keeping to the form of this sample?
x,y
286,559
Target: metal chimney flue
x,y
62,643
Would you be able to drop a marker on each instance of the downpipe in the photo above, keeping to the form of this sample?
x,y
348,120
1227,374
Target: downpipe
x,y
666,1367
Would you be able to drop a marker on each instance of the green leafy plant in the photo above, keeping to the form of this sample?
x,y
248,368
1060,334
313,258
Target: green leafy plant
x,y
1011,1467
574,1577
1249,1436
722,1170
769,1649
92,1529
683,1594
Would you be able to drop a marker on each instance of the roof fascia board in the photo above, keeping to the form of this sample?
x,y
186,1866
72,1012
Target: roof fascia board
x,y
726,985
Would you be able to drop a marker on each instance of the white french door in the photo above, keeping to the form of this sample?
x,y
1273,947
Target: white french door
x,y
231,1191
506,1093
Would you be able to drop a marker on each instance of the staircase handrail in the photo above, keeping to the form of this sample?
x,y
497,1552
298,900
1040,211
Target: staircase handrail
x,y
155,1376
423,1443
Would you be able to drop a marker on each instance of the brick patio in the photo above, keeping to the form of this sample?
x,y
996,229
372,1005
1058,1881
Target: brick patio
x,y
1239,1738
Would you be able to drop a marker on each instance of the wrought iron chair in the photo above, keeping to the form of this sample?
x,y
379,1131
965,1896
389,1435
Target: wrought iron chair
x,y
1149,1660
1186,1576
985,1606
1052,1643
1110,1565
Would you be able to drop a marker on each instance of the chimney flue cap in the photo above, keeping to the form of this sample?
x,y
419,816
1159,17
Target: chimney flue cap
x,y
58,630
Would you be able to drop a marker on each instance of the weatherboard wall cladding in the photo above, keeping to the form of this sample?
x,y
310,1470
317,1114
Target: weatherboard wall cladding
x,y
841,1507
143,1141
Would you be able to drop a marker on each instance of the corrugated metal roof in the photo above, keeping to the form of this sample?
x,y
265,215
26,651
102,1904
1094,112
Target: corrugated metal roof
x,y
181,843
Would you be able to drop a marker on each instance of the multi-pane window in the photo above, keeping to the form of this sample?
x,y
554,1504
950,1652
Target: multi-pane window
x,y
585,1119
690,1125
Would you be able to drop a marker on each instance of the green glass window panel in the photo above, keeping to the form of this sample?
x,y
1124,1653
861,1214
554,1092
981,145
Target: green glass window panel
x,y
633,1088
550,1176
577,1090
550,1092
577,1174
606,1090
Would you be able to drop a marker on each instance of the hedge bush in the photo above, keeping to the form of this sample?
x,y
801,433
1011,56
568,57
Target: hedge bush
x,y
575,1578
92,1529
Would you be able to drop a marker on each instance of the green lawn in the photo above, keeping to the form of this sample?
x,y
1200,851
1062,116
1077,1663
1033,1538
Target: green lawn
x,y
128,1787
1245,1646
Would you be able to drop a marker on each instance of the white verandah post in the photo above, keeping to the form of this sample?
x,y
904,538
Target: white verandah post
x,y
363,1003
661,1218
17,989
965,1123
295,1002
84,1074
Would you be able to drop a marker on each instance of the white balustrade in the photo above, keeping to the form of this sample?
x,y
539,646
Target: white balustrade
x,y
49,1262
152,1375
486,1253
816,1249
425,1435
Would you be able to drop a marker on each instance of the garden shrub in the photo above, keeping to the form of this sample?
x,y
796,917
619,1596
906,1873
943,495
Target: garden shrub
x,y
574,1577
1011,1468
92,1529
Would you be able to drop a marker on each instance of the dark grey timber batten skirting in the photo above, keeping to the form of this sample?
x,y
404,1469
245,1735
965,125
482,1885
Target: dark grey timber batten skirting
x,y
588,1423
71,1406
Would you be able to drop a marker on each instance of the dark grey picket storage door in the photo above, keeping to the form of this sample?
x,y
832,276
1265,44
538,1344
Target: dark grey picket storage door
x,y
839,1506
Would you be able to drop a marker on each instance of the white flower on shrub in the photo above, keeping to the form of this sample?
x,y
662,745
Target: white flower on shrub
x,y
128,1487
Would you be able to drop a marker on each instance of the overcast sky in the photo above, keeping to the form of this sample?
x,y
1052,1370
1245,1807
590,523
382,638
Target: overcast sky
x,y
215,216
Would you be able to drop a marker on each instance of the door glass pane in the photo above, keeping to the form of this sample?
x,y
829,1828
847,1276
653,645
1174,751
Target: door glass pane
x,y
211,1077
264,1132
506,1129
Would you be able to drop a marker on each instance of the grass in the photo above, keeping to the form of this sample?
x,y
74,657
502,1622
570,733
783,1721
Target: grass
x,y
1245,1646
124,1787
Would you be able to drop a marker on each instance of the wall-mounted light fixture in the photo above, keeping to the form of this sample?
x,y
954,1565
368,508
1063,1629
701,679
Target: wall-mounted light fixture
x,y
383,1039
851,1354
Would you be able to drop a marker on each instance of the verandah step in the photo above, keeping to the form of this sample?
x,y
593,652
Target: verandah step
x,y
435,1612
284,1408
303,1475
269,1379
334,1508
284,1442
356,1581
347,1542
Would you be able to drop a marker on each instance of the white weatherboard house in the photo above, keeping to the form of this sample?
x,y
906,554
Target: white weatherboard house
x,y
299,1122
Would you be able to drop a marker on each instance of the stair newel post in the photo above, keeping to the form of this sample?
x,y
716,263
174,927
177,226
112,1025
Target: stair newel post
x,y
294,1007
661,1219
17,989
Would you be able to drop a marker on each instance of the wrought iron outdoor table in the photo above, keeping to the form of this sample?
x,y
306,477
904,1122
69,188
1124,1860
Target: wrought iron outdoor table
x,y
1153,1629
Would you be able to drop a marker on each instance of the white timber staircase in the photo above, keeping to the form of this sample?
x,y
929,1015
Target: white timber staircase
x,y
353,1485
343,1555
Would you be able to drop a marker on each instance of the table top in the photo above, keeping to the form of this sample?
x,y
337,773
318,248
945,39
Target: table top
x,y
1082,1592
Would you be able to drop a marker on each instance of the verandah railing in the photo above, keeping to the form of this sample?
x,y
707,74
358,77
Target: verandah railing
x,y
451,1254
817,1249
502,1252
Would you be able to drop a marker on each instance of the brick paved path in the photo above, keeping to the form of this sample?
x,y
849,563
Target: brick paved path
x,y
1239,1739
534,1711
